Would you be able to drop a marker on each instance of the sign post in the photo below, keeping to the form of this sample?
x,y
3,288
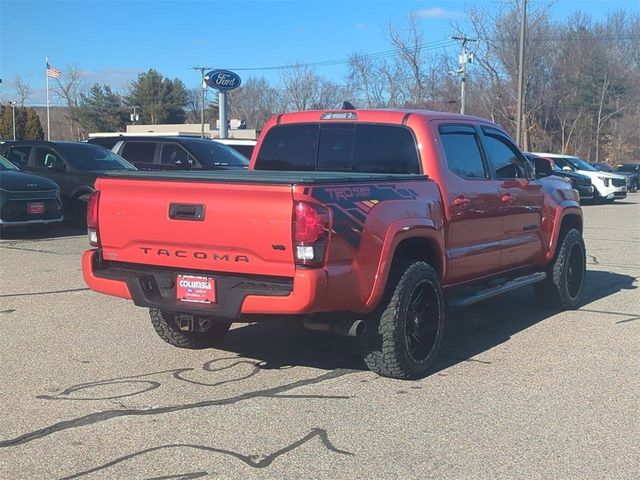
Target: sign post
x,y
223,81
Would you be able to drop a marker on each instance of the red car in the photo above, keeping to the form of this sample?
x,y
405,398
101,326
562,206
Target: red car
x,y
361,222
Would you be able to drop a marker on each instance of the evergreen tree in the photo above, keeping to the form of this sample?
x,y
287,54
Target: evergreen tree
x,y
33,127
102,110
161,99
6,123
28,125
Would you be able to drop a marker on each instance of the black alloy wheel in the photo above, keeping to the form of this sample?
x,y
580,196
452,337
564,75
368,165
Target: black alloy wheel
x,y
421,325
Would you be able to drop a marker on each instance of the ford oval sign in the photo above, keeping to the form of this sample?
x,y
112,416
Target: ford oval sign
x,y
223,80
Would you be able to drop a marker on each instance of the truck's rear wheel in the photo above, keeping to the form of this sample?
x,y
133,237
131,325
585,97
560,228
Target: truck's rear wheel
x,y
403,340
167,328
565,275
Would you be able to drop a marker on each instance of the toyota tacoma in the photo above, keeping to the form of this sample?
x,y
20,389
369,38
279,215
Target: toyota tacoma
x,y
360,222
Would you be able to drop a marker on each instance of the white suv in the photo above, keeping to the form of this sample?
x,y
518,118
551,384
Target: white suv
x,y
607,186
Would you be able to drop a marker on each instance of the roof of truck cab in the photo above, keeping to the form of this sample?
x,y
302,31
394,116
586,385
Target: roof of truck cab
x,y
398,116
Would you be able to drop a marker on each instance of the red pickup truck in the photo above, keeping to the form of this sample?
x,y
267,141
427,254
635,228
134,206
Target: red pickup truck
x,y
359,222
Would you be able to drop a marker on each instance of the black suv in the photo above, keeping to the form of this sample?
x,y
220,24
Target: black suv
x,y
632,173
174,153
73,166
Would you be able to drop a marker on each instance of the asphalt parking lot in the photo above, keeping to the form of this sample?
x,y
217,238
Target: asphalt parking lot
x,y
90,391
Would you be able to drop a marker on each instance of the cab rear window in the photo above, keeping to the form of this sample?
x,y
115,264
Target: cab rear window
x,y
339,147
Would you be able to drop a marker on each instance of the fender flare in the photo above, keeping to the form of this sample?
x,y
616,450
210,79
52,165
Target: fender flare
x,y
566,209
398,231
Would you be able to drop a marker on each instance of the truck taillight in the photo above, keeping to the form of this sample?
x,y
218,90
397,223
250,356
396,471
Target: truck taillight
x,y
92,218
311,228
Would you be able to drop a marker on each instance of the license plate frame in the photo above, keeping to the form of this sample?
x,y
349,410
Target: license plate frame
x,y
195,289
35,208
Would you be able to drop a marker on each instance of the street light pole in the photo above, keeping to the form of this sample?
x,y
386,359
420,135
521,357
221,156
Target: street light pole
x,y
13,113
135,116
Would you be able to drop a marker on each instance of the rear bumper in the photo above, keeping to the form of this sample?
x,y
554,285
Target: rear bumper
x,y
154,287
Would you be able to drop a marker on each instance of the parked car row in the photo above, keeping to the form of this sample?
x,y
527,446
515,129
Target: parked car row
x,y
579,182
607,186
61,175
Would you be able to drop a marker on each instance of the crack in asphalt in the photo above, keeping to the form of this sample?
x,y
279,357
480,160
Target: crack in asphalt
x,y
52,292
254,461
36,250
98,417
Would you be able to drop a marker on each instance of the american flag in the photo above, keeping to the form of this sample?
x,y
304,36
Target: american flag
x,y
53,72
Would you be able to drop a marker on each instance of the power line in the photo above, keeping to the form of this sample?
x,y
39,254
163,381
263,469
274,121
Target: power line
x,y
341,61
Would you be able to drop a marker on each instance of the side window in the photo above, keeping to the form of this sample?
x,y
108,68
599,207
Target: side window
x,y
141,152
174,154
19,156
385,149
462,151
507,161
45,158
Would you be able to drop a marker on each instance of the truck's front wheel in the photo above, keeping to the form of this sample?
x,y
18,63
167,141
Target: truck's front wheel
x,y
403,340
166,326
565,275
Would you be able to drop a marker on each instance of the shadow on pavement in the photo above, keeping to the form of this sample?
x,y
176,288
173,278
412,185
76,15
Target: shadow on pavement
x,y
65,229
279,344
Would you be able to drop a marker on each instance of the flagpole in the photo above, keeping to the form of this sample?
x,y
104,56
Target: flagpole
x,y
46,59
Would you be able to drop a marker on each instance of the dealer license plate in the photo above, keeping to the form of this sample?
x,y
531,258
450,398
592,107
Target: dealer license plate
x,y
192,288
35,208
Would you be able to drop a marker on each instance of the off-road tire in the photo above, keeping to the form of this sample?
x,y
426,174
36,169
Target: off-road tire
x,y
165,326
565,275
386,345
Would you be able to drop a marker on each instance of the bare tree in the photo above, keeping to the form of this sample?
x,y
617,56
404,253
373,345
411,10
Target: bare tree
x,y
22,89
366,82
69,87
304,89
255,102
409,46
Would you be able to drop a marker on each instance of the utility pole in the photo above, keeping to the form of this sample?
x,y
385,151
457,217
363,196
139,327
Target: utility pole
x,y
203,86
464,58
13,112
523,26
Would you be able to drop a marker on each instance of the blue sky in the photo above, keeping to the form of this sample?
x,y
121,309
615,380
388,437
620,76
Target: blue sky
x,y
111,41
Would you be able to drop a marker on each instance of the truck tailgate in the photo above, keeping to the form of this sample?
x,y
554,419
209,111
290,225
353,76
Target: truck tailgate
x,y
244,228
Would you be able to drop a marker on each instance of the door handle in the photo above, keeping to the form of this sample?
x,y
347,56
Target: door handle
x,y
179,211
507,198
461,202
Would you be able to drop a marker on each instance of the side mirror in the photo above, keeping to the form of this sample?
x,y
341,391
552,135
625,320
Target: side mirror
x,y
566,169
543,168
